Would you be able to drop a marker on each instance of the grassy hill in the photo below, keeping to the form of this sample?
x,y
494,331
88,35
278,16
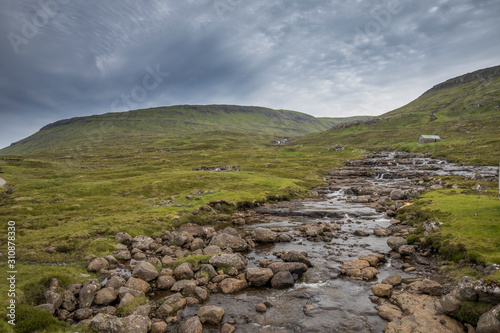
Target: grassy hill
x,y
463,111
156,124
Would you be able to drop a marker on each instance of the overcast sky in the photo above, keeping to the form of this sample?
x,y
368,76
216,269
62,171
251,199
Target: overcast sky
x,y
65,58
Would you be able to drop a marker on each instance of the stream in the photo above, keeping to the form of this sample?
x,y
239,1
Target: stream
x,y
341,304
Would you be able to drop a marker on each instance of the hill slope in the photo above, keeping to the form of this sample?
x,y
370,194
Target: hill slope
x,y
463,111
150,125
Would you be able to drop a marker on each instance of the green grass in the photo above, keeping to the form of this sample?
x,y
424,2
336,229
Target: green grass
x,y
471,220
129,308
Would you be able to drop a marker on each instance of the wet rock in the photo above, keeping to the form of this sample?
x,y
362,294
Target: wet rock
x,y
389,312
47,307
192,325
393,280
136,324
138,284
259,276
294,256
107,324
397,195
211,314
292,267
396,242
313,231
227,241
381,290
307,309
201,293
282,280
142,242
381,232
98,265
264,235
184,272
235,260
145,271
171,305
489,322
406,250
230,286
226,328
105,296
165,282
261,307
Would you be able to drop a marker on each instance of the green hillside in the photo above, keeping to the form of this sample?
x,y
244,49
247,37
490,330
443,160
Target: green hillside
x,y
150,125
464,112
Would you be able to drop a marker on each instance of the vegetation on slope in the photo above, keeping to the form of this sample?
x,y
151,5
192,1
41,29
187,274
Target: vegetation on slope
x,y
465,113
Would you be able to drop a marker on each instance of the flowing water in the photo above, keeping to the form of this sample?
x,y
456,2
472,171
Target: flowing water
x,y
340,304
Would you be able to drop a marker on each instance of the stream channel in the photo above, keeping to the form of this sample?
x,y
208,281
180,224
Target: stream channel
x,y
341,304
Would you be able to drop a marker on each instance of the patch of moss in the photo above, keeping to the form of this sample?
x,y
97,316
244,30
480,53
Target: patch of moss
x,y
129,308
470,312
30,319
195,261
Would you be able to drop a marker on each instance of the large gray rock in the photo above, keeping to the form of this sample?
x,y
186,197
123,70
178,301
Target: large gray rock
x,y
138,284
211,250
264,235
235,260
450,304
396,242
184,272
197,244
292,267
145,271
294,256
488,290
192,325
183,284
227,241
259,276
69,301
393,280
97,265
124,238
398,195
406,250
142,242
136,324
211,314
282,280
171,305
82,314
230,286
207,271
123,255
107,324
165,282
126,290
466,289
87,293
489,321
115,282
381,290
105,296
53,298
180,238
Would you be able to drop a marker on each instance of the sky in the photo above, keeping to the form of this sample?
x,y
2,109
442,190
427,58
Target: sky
x,y
329,58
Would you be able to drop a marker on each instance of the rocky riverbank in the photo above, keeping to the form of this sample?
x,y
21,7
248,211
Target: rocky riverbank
x,y
335,263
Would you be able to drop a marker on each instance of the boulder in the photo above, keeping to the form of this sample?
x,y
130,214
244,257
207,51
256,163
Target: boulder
x,y
430,287
192,325
126,290
171,305
183,284
381,232
207,271
393,280
227,241
87,293
313,231
107,324
138,284
82,314
180,238
396,242
125,299
159,327
53,298
389,311
142,242
294,256
397,195
259,276
211,314
381,290
167,260
47,307
488,290
230,286
230,231
359,269
105,296
197,244
211,250
406,250
136,324
226,328
361,233
282,280
69,301
235,260
97,265
115,282
124,238
264,235
165,282
466,289
450,304
184,272
145,271
489,322
292,267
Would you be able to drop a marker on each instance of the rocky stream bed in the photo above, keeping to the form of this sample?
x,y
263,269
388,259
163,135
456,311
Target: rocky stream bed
x,y
338,262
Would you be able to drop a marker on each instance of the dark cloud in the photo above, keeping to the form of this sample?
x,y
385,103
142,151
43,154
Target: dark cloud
x,y
62,58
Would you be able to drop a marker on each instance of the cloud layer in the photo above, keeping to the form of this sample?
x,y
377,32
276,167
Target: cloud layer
x,y
61,58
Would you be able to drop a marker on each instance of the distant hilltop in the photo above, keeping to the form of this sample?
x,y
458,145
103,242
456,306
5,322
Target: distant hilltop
x,y
482,74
